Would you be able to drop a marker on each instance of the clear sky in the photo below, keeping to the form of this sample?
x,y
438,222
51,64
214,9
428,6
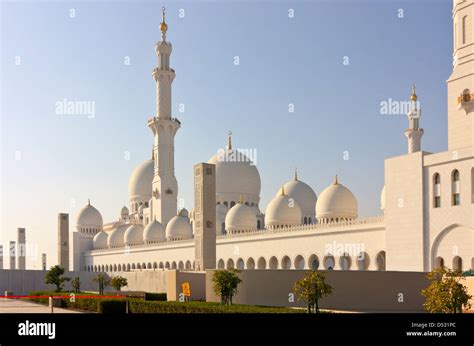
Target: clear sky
x,y
53,163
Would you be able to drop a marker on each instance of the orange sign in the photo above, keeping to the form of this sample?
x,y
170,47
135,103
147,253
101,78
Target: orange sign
x,y
186,289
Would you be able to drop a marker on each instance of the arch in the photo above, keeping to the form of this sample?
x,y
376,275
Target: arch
x,y
148,266
155,265
95,268
181,265
286,262
363,261
167,265
273,263
220,264
115,267
439,262
313,262
106,267
232,204
259,224
380,261
143,265
240,264
128,267
161,265
345,262
188,265
230,263
250,263
174,265
329,262
299,262
261,263
119,267
457,239
139,266
133,266
457,263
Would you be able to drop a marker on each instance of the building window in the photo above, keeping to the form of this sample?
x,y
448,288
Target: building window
x,y
464,30
437,202
436,190
456,199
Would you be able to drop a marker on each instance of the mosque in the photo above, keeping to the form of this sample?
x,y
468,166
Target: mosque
x,y
427,203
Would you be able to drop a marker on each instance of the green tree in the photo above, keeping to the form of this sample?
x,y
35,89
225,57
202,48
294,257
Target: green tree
x,y
446,293
225,284
118,282
103,280
55,277
76,284
311,288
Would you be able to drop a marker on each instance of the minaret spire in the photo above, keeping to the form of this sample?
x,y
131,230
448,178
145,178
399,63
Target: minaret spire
x,y
414,132
229,141
296,174
163,25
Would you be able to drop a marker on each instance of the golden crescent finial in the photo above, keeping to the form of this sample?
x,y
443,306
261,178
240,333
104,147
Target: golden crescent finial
x,y
413,96
163,25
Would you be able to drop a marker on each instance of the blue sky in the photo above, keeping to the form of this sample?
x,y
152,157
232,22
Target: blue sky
x,y
63,159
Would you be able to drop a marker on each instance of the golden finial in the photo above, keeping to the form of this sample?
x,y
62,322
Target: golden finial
x,y
296,173
241,200
282,190
163,25
336,182
229,141
413,96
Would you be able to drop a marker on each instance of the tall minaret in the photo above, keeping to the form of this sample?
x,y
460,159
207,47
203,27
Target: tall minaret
x,y
164,127
414,132
461,81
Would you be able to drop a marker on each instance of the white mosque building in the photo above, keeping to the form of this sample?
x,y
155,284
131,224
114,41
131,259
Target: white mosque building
x,y
427,203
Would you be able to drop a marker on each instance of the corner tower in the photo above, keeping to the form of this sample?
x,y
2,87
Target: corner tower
x,y
414,132
461,81
164,128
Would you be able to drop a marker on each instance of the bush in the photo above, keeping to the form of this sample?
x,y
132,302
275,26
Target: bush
x,y
89,304
156,296
112,306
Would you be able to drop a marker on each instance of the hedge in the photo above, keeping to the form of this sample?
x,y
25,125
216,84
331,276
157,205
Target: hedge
x,y
89,304
155,296
112,306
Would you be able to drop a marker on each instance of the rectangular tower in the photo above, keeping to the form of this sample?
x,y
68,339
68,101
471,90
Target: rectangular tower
x,y
205,216
63,240
21,238
43,261
12,255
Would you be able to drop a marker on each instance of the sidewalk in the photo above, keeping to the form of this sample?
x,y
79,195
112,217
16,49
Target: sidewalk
x,y
16,306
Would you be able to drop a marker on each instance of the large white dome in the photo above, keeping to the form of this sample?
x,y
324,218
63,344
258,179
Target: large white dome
x,y
236,175
133,235
179,228
89,217
154,232
140,183
304,195
100,240
282,211
241,218
116,236
336,203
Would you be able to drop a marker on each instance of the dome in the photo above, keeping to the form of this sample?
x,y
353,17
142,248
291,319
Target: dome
x,y
100,240
89,217
124,211
116,236
154,232
133,235
140,183
336,201
282,211
241,218
236,175
382,199
184,213
179,228
303,194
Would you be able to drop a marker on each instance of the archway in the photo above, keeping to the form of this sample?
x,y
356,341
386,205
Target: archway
x,y
240,264
457,263
363,261
313,262
285,262
180,265
188,265
345,262
174,265
250,263
439,262
273,263
261,263
230,263
299,262
220,264
329,262
380,261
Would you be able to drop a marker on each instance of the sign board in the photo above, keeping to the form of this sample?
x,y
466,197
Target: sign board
x,y
186,289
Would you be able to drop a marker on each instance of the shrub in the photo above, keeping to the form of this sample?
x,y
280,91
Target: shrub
x,y
112,306
225,284
155,296
54,276
118,282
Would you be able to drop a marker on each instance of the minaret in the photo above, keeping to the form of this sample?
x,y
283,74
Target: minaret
x,y
461,81
164,127
414,132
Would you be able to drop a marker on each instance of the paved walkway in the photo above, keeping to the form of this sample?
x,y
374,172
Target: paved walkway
x,y
16,306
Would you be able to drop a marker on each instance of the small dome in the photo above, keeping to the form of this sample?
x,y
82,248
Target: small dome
x,y
140,183
179,228
336,202
282,211
100,240
89,217
303,194
154,232
382,199
241,218
124,211
184,213
116,236
133,235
